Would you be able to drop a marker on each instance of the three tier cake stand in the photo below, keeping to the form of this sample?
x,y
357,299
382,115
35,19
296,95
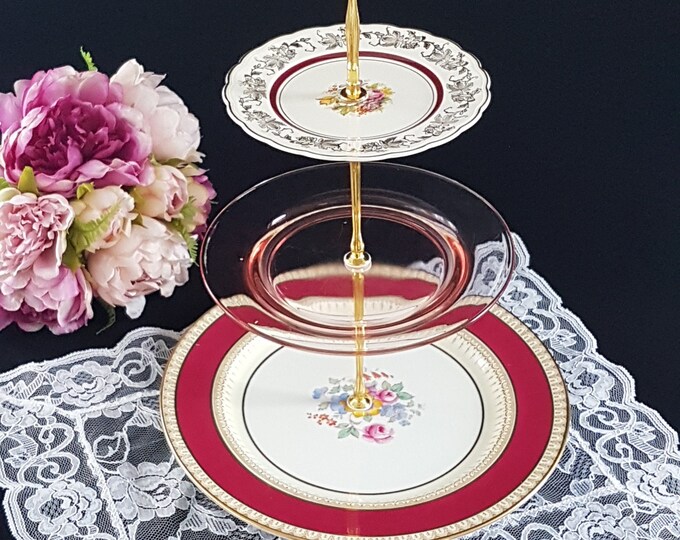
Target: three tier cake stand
x,y
357,377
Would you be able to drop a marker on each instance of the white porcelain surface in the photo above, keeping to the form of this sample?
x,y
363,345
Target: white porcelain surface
x,y
436,91
455,423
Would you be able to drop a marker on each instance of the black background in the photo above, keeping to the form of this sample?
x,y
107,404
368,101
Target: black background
x,y
578,149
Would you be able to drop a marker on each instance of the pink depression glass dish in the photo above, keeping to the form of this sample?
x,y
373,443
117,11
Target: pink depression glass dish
x,y
273,258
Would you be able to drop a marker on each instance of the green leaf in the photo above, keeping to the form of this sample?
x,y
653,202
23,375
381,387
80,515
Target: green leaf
x,y
178,226
4,183
385,385
323,405
404,395
189,210
334,390
111,314
27,183
333,381
84,189
70,258
87,58
353,432
82,235
343,425
397,387
192,245
344,433
368,418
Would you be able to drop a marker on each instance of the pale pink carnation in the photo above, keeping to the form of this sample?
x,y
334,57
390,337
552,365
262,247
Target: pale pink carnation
x,y
152,258
174,130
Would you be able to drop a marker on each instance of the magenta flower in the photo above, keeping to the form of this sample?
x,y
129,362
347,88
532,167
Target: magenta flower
x,y
47,87
74,142
377,433
72,128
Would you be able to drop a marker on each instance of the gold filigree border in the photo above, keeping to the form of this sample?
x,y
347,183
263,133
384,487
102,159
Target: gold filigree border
x,y
488,362
540,473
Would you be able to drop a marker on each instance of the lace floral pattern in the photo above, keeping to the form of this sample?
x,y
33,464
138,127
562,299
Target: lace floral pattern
x,y
83,453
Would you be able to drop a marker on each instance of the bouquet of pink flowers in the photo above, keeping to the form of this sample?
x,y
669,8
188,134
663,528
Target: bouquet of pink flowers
x,y
101,194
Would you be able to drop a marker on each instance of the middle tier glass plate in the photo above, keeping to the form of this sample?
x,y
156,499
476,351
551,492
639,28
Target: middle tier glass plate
x,y
420,91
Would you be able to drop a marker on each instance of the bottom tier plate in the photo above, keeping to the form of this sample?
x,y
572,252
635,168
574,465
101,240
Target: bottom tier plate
x,y
461,432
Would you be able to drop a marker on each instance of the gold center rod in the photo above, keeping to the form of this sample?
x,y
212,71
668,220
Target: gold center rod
x,y
357,255
360,400
358,262
352,35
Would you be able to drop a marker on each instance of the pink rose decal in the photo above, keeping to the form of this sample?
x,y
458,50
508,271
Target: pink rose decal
x,y
387,396
377,433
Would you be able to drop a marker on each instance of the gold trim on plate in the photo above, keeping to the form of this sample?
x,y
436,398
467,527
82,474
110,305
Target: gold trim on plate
x,y
540,473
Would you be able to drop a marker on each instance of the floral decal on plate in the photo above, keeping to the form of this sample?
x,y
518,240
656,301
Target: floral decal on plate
x,y
393,408
377,96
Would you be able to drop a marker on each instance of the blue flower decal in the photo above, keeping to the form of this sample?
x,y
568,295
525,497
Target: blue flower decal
x,y
318,392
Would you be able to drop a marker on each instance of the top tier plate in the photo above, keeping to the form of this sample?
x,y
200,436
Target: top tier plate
x,y
421,91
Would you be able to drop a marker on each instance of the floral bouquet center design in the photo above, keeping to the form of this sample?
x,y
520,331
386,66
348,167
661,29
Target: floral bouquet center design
x,y
393,408
377,96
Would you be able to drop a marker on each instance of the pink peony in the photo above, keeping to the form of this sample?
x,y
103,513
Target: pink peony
x,y
62,303
378,433
111,203
152,258
201,195
10,112
74,142
47,87
32,240
165,197
174,130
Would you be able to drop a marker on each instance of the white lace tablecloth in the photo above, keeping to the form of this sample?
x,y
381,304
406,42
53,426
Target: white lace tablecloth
x,y
83,453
